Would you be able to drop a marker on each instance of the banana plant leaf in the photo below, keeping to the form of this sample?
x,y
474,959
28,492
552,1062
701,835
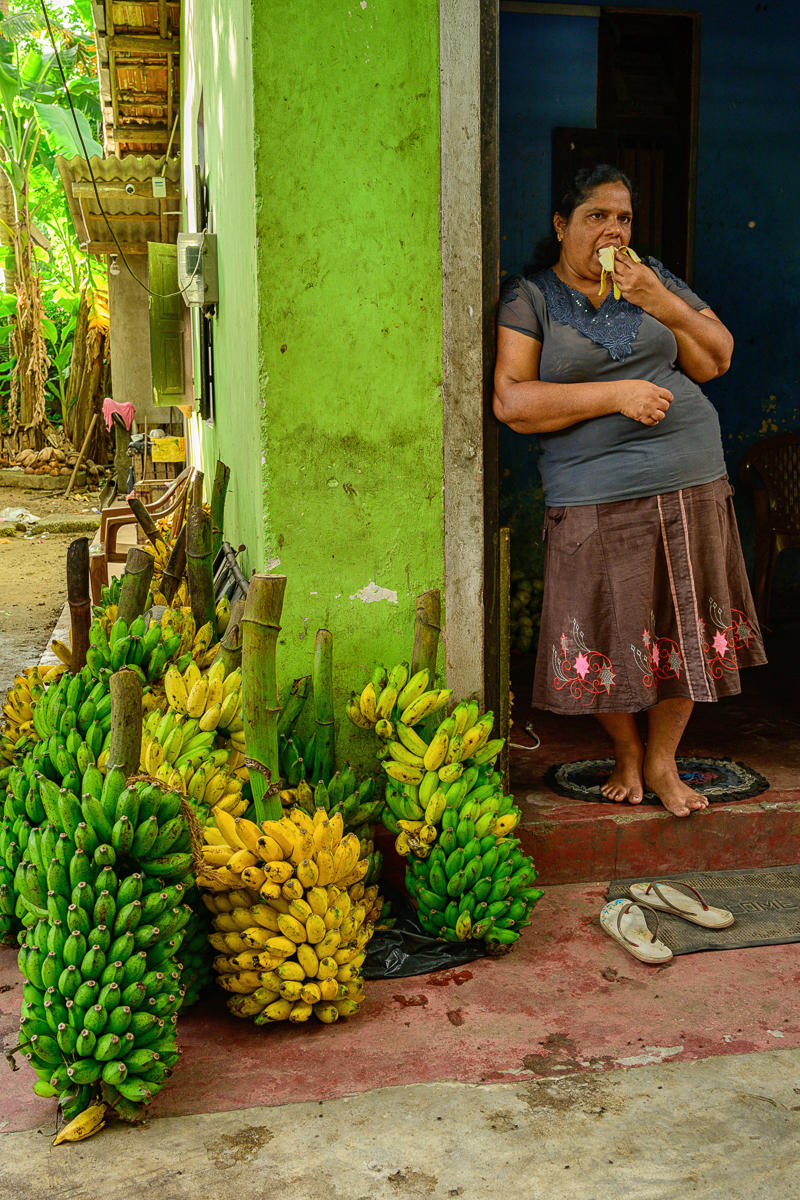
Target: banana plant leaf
x,y
59,127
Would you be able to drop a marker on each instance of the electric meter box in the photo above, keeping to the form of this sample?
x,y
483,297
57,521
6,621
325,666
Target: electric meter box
x,y
197,268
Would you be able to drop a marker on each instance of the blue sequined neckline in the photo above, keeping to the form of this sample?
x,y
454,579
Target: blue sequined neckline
x,y
614,328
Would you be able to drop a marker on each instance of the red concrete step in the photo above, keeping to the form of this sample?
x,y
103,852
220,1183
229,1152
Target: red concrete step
x,y
575,841
572,841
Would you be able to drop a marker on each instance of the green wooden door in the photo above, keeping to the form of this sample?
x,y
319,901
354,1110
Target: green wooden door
x,y
167,325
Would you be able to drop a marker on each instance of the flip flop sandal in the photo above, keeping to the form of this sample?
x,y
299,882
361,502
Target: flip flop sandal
x,y
625,922
681,900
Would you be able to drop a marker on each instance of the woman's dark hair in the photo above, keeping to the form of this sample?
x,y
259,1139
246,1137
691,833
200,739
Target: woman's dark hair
x,y
575,191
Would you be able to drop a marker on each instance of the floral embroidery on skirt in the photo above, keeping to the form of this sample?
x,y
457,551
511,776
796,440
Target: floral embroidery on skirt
x,y
663,606
590,673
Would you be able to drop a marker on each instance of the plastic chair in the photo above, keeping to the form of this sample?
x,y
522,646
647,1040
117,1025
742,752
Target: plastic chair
x,y
173,502
771,470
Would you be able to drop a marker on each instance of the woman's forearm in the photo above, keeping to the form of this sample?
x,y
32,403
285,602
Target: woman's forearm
x,y
704,344
532,406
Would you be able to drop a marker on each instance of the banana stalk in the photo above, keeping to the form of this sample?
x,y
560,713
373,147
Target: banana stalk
x,y
80,604
147,523
260,708
176,566
200,567
135,584
221,479
324,742
229,650
504,714
125,742
427,626
295,702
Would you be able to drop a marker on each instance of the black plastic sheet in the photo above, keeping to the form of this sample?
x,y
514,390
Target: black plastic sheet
x,y
406,949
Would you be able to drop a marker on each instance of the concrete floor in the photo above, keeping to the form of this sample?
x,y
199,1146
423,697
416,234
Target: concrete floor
x,y
711,1129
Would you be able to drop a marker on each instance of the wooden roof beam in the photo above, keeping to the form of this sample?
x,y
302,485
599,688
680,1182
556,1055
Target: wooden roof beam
x,y
140,133
135,43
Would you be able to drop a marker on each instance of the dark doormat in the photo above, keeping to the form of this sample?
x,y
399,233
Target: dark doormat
x,y
720,780
765,902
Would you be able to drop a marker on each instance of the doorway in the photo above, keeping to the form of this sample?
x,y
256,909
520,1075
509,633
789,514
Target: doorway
x,y
578,85
616,85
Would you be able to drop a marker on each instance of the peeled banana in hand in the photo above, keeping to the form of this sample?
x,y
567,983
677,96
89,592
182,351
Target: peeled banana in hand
x,y
606,256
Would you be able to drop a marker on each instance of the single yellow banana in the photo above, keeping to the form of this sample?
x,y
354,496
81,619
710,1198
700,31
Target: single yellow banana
x,y
367,702
83,1126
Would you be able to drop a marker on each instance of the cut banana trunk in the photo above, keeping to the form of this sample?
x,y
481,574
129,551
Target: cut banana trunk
x,y
606,256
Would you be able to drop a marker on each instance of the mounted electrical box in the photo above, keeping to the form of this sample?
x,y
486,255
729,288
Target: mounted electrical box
x,y
197,268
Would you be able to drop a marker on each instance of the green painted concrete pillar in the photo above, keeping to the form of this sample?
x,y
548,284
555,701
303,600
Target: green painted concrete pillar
x,y
349,281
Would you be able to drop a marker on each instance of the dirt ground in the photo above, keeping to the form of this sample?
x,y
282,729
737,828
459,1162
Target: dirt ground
x,y
33,582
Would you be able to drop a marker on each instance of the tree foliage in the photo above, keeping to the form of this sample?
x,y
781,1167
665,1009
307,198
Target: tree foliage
x,y
46,271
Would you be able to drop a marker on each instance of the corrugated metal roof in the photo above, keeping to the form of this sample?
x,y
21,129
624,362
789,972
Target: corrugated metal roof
x,y
136,216
138,54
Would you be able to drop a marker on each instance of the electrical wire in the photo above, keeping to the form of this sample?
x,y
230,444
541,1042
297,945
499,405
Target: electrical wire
x,y
159,295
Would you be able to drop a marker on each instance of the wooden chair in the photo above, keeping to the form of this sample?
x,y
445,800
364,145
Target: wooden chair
x,y
771,469
173,502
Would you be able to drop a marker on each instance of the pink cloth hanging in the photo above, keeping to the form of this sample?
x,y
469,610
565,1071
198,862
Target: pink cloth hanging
x,y
126,411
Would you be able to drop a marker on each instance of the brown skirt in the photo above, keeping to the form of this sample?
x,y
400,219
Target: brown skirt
x,y
644,600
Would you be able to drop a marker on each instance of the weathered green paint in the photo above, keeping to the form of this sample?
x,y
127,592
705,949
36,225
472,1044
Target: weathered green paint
x,y
216,65
347,178
342,423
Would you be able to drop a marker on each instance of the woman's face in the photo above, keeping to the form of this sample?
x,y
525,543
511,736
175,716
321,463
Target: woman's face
x,y
603,219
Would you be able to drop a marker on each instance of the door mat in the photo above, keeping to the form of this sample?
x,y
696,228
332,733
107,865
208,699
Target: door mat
x,y
720,780
765,902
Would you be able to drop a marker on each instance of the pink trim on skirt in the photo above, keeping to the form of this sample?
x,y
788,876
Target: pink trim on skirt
x,y
644,600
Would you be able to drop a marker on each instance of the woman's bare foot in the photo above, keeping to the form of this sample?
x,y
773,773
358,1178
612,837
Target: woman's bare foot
x,y
625,782
662,778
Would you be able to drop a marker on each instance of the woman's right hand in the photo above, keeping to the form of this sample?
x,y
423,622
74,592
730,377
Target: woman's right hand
x,y
643,401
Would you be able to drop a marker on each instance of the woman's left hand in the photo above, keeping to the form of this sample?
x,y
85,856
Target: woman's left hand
x,y
638,284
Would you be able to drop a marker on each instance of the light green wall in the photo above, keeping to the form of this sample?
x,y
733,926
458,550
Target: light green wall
x,y
350,320
216,63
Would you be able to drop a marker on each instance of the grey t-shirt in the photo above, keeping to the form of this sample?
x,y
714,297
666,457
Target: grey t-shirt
x,y
614,457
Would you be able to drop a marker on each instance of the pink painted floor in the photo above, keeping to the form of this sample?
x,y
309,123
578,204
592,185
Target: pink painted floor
x,y
568,999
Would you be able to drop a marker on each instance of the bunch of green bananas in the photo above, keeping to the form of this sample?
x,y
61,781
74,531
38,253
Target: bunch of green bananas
x,y
76,711
63,754
468,877
103,883
355,802
140,646
109,594
21,811
481,888
291,913
445,802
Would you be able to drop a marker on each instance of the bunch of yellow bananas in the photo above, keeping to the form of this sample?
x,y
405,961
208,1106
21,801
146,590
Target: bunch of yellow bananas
x,y
176,751
460,738
291,915
213,699
393,694
17,710
198,642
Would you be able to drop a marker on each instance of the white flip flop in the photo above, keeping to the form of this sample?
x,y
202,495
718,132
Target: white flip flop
x,y
624,921
681,900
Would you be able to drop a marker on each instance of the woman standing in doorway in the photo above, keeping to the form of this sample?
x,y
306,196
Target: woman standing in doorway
x,y
646,603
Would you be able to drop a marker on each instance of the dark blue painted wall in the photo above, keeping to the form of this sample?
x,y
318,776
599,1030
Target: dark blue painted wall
x,y
747,257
